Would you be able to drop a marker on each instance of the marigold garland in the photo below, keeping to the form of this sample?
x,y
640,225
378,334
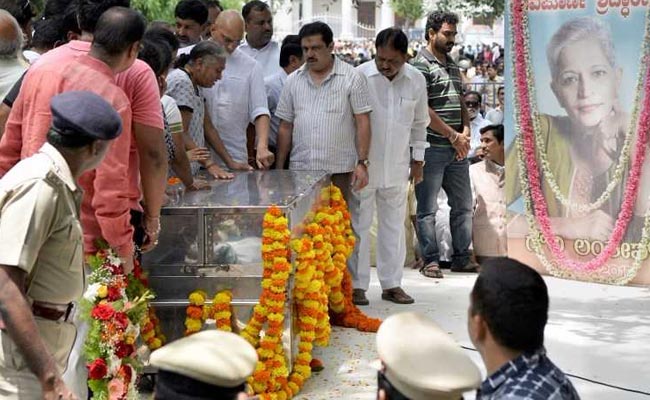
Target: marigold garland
x,y
149,324
195,313
221,310
343,241
321,284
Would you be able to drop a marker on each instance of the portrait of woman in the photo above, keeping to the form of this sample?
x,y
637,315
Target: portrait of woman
x,y
583,145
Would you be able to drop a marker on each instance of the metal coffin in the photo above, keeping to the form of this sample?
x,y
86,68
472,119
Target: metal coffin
x,y
211,240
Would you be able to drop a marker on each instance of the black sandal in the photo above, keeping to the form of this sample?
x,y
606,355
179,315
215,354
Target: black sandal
x,y
432,270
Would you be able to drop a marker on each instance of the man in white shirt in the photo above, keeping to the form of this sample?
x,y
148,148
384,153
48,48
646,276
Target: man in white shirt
x,y
259,31
325,123
239,97
495,115
290,60
488,180
398,96
191,20
473,104
11,42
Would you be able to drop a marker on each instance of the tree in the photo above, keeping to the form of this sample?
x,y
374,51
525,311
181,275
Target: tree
x,y
156,9
410,10
473,8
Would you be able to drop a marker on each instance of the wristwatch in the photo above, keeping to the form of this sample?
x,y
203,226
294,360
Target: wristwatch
x,y
364,162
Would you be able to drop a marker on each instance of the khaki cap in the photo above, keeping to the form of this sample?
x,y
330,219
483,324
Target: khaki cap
x,y
214,357
422,361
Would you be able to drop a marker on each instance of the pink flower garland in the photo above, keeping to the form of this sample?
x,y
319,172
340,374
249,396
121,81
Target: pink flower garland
x,y
539,201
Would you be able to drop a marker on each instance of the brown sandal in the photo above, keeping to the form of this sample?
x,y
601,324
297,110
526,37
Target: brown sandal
x,y
432,270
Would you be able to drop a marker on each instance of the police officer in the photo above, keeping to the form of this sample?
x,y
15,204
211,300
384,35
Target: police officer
x,y
428,365
206,365
41,266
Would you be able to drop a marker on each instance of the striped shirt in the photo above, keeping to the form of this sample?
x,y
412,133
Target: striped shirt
x,y
324,128
444,86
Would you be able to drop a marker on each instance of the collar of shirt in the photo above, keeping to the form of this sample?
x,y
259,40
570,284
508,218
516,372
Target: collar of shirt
x,y
494,168
97,65
79,45
400,74
61,168
433,59
271,45
336,70
478,120
511,369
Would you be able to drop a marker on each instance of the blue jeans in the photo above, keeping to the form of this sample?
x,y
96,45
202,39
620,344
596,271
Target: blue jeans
x,y
443,170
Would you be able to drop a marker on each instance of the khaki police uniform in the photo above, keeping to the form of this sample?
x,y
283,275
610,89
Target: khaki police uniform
x,y
40,233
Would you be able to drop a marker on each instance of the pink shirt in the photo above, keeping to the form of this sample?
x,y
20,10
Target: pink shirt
x,y
141,87
105,211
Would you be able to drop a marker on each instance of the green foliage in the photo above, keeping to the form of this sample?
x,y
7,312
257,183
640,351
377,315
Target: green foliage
x,y
410,10
156,9
232,4
99,388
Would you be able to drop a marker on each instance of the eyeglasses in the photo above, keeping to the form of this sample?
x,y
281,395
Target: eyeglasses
x,y
472,104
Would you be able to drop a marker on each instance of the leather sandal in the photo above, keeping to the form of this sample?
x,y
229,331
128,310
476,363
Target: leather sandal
x,y
432,270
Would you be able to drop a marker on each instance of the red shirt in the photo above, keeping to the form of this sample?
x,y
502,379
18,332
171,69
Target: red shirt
x,y
105,211
141,87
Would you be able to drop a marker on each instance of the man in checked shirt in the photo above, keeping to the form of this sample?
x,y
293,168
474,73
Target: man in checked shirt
x,y
507,315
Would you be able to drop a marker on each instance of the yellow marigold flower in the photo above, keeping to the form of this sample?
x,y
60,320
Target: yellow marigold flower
x,y
196,298
130,339
147,335
222,315
259,387
193,325
155,344
102,291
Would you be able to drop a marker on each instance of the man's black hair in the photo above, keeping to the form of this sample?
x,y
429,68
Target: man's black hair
x,y
163,35
317,28
497,131
196,10
49,32
475,93
213,4
173,386
89,12
291,39
21,10
393,37
436,19
253,5
75,141
512,298
289,49
157,55
117,30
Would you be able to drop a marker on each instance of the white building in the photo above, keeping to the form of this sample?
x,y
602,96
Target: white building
x,y
348,19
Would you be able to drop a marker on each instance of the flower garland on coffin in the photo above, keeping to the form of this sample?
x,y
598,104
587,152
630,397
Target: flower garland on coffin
x,y
116,307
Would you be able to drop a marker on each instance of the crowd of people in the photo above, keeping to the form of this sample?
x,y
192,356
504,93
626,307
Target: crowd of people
x,y
112,105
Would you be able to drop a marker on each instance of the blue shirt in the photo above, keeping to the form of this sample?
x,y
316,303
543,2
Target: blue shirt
x,y
528,377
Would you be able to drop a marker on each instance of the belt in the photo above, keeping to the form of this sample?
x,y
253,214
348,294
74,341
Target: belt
x,y
51,313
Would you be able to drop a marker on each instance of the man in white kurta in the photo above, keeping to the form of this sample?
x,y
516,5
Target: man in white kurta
x,y
259,33
398,122
239,98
